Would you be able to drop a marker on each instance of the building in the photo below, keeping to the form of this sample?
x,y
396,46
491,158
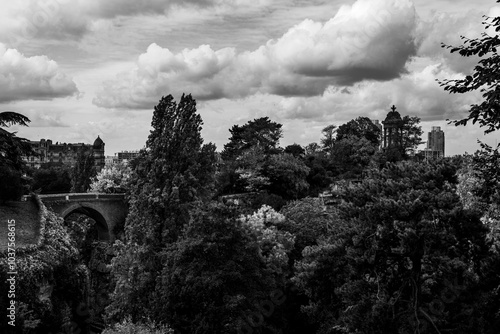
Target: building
x,y
126,156
64,153
435,144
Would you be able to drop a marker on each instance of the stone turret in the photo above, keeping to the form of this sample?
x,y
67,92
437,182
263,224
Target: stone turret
x,y
98,152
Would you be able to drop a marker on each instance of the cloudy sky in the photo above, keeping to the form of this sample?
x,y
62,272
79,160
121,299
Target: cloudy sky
x,y
82,68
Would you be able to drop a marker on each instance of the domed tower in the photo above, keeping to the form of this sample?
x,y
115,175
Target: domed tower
x,y
98,152
393,125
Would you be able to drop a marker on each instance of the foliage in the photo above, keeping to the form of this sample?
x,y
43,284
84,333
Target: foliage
x,y
328,140
352,155
312,148
50,283
295,149
479,186
484,77
273,243
399,238
174,171
83,172
11,188
361,127
51,180
112,179
320,175
126,326
13,148
307,221
217,271
287,176
250,170
411,135
261,132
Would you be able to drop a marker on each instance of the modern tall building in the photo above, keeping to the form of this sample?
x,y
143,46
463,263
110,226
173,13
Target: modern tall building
x,y
435,143
64,153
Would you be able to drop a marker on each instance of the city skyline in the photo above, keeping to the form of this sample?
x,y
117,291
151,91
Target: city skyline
x,y
87,68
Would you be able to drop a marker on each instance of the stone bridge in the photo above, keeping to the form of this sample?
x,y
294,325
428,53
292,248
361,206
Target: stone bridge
x,y
108,210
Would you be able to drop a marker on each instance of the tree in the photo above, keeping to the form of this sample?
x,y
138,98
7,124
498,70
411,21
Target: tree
x,y
411,135
261,132
52,180
112,179
361,127
295,149
328,140
11,188
352,155
306,221
83,172
13,148
219,272
485,77
287,176
401,241
174,171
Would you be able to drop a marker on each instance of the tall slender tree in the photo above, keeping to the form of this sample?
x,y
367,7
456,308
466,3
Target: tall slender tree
x,y
83,172
174,171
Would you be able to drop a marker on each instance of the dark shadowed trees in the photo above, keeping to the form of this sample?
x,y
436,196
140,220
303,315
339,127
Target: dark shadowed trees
x,y
401,242
12,150
361,127
83,172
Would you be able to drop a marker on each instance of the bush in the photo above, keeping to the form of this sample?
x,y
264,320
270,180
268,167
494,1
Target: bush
x,y
11,188
127,327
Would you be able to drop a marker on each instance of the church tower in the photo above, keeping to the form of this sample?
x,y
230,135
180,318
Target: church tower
x,y
393,135
98,152
393,129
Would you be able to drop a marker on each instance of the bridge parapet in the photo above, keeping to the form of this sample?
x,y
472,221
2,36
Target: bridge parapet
x,y
108,210
80,197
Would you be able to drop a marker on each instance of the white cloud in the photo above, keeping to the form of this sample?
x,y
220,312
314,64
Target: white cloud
x,y
371,40
31,78
416,93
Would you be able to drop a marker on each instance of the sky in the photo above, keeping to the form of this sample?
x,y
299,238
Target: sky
x,y
83,68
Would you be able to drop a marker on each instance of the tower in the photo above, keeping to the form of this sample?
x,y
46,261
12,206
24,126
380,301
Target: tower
x,y
435,141
393,129
98,152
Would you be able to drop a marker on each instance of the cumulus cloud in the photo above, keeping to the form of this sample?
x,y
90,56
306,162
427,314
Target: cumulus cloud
x,y
447,28
370,40
31,78
416,93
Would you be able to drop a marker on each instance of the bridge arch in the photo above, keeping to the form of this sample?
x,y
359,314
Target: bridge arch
x,y
90,211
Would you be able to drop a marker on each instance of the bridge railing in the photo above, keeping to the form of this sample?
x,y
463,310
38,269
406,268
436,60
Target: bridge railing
x,y
76,196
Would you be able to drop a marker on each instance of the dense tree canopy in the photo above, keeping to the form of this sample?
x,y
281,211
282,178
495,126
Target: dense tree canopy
x,y
402,240
361,127
261,132
51,180
112,179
